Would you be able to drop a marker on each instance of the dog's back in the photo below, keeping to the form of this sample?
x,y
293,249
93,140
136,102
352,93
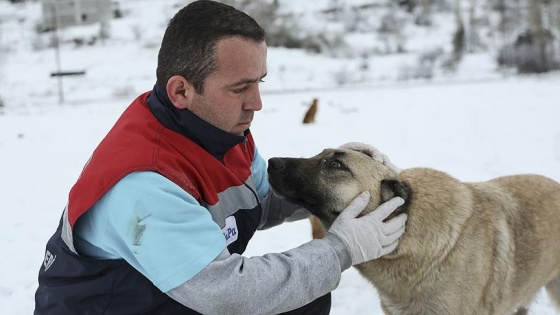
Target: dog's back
x,y
535,223
472,248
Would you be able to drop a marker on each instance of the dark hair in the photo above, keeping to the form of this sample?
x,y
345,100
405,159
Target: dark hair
x,y
189,43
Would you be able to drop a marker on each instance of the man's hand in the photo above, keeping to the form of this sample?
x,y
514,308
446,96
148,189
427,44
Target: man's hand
x,y
373,152
368,237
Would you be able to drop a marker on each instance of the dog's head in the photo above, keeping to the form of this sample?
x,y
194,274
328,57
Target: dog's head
x,y
326,183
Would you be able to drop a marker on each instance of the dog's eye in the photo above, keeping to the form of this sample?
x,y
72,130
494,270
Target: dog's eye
x,y
335,164
332,163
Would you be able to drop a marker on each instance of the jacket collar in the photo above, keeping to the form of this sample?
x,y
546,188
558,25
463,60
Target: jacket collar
x,y
212,139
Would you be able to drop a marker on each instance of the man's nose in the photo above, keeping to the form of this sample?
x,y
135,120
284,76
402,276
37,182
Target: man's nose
x,y
253,100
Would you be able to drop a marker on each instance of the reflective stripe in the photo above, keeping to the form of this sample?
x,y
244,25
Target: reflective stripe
x,y
66,232
229,202
232,200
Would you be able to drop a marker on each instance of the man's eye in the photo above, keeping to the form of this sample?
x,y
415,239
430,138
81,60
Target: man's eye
x,y
241,90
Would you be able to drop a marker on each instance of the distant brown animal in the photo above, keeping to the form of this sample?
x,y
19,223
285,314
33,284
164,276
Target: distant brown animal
x,y
311,112
317,229
469,248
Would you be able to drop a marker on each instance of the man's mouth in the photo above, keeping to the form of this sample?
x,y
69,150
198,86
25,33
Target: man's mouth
x,y
245,124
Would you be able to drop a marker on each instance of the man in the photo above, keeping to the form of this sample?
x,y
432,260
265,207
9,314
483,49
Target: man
x,y
159,217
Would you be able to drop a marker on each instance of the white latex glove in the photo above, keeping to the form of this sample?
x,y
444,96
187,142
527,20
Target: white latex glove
x,y
368,237
373,152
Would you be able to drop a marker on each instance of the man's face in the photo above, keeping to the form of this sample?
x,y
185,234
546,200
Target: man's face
x,y
231,94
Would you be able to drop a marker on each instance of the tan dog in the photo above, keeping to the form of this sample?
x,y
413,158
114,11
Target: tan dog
x,y
469,248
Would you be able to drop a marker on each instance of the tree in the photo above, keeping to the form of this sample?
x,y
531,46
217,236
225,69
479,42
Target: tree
x,y
424,16
541,39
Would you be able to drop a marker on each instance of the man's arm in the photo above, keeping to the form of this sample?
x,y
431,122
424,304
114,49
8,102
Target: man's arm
x,y
269,284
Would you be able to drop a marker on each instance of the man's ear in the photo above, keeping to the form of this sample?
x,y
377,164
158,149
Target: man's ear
x,y
180,92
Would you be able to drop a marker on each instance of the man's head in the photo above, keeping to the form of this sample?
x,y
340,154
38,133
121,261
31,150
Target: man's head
x,y
211,61
189,42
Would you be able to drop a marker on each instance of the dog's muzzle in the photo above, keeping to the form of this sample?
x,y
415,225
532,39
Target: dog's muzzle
x,y
276,165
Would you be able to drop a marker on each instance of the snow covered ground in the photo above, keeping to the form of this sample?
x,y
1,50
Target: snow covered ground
x,y
474,130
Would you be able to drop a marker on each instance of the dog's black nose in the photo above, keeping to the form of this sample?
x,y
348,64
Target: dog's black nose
x,y
276,164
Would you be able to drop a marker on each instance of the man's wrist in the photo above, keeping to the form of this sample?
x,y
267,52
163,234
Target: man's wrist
x,y
341,249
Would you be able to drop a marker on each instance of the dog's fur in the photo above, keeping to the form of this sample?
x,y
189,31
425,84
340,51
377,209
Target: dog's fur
x,y
469,248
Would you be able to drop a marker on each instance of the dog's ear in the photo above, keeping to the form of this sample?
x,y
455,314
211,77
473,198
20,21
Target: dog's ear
x,y
395,188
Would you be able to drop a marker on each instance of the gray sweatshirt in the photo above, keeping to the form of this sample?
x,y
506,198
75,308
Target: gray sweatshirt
x,y
269,284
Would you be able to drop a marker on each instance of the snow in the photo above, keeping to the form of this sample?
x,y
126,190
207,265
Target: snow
x,y
475,125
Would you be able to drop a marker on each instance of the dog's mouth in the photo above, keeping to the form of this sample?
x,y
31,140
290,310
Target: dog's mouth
x,y
308,200
296,196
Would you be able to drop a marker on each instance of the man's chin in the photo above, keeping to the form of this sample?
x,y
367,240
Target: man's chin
x,y
240,128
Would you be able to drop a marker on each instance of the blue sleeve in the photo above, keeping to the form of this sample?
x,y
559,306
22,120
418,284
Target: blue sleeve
x,y
260,175
155,226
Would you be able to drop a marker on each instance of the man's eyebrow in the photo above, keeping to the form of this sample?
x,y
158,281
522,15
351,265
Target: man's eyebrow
x,y
246,81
